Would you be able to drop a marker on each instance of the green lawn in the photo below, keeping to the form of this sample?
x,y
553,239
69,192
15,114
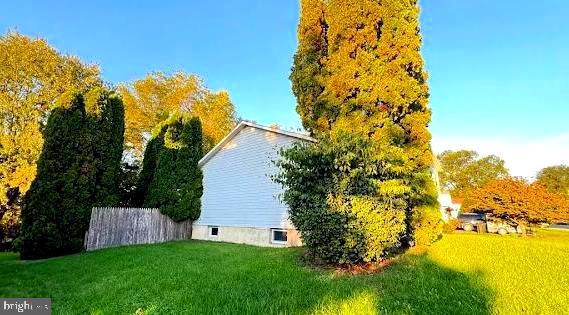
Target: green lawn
x,y
463,273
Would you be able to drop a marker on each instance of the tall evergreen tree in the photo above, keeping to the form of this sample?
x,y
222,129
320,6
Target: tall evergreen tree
x,y
149,162
77,169
362,61
107,127
358,71
171,179
306,76
56,208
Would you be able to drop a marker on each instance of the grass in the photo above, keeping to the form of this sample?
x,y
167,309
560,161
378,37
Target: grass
x,y
463,273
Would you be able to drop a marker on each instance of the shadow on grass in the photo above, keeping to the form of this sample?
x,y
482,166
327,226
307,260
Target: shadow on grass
x,y
415,285
211,278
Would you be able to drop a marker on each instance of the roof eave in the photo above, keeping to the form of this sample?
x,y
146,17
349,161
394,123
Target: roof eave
x,y
242,125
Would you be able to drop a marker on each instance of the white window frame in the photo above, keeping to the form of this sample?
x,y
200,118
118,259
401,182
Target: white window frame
x,y
273,236
210,230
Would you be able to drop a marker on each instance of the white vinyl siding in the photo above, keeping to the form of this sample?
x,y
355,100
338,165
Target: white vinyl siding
x,y
238,190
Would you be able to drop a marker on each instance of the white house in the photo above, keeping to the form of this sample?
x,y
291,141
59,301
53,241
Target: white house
x,y
449,209
241,203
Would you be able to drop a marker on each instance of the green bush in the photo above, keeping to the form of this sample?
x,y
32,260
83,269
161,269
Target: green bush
x,y
176,184
424,217
346,211
348,206
77,169
451,226
427,225
379,224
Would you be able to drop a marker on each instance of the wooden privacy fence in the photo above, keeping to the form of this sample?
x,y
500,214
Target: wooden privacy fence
x,y
111,227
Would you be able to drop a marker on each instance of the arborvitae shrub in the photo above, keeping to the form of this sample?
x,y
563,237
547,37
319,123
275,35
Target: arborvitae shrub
x,y
108,129
427,225
77,169
176,183
149,162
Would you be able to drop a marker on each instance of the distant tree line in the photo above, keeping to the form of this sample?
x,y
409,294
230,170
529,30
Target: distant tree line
x,y
555,179
464,170
484,184
516,200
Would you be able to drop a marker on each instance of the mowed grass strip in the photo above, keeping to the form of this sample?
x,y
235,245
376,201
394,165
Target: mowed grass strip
x,y
463,273
525,274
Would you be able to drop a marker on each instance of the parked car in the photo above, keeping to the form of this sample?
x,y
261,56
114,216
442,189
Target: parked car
x,y
470,221
502,228
559,226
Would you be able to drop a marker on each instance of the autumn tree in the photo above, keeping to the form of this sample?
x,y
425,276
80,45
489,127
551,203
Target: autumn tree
x,y
78,168
514,199
34,78
555,178
358,75
464,170
153,99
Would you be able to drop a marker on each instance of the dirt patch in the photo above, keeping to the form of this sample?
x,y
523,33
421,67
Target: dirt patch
x,y
364,268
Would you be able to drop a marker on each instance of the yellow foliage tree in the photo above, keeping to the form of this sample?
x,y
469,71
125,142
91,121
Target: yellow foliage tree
x,y
150,100
34,78
358,70
517,200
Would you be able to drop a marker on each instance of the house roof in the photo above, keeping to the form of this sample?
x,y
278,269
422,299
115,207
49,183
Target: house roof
x,y
240,127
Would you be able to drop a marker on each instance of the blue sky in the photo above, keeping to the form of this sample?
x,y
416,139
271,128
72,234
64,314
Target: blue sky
x,y
499,70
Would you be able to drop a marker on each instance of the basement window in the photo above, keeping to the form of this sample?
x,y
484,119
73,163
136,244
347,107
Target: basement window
x,y
278,236
213,231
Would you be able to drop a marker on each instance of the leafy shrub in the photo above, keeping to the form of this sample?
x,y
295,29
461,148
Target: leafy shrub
x,y
427,225
381,226
351,208
344,212
451,226
170,168
77,169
